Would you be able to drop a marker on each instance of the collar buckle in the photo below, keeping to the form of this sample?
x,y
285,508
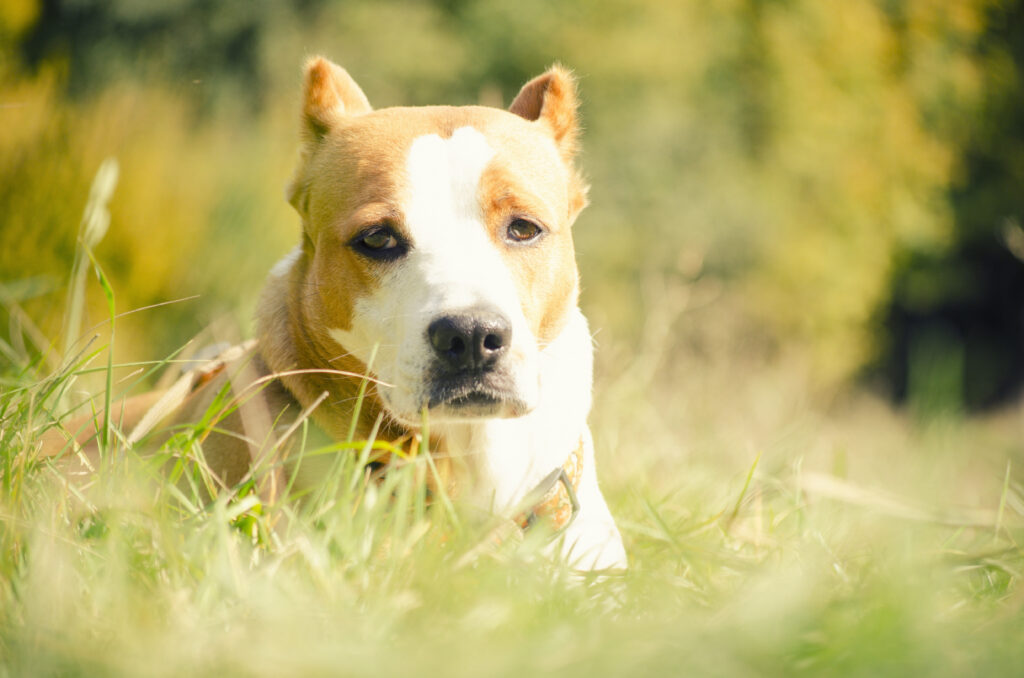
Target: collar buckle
x,y
544,501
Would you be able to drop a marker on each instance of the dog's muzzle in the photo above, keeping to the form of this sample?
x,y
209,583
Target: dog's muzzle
x,y
469,377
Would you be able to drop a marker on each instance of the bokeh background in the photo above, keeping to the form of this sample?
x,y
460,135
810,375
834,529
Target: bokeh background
x,y
830,190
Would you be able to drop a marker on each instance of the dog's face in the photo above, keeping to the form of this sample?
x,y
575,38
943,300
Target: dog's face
x,y
438,242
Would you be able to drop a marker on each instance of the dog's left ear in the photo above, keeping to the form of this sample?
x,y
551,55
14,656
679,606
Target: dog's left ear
x,y
551,98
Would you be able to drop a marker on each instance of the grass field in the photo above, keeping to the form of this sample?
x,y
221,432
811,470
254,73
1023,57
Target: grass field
x,y
770,530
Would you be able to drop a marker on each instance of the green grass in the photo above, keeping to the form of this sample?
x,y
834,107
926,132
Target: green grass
x,y
769,533
757,568
755,571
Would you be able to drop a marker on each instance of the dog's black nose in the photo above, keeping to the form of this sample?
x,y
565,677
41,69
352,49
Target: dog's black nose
x,y
473,340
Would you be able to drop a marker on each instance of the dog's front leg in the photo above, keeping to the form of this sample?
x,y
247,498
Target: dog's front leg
x,y
592,541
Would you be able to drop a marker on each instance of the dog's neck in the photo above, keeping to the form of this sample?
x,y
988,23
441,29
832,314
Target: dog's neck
x,y
289,343
495,461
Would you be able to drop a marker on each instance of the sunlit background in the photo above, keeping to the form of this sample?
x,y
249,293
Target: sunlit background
x,y
844,181
805,242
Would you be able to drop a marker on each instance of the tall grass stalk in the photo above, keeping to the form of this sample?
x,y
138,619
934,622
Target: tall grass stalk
x,y
94,225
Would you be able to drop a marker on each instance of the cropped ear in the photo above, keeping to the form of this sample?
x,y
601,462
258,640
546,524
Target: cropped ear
x,y
551,98
329,93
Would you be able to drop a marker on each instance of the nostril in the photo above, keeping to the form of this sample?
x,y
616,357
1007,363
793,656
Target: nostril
x,y
493,342
452,340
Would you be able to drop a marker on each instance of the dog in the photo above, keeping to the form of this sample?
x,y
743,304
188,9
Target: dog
x,y
436,256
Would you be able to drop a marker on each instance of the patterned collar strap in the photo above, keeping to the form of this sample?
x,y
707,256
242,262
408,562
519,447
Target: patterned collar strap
x,y
554,500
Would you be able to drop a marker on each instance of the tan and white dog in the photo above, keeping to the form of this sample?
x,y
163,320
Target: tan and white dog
x,y
437,256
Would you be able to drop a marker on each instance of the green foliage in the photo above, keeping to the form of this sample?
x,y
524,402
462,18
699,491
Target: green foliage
x,y
961,303
867,129
181,207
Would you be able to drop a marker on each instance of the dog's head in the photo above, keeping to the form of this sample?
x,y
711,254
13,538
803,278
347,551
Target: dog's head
x,y
437,240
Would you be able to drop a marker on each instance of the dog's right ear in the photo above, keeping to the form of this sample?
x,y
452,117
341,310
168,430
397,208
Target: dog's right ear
x,y
551,99
329,94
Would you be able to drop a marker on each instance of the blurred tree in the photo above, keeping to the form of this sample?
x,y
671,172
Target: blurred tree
x,y
961,308
184,42
869,101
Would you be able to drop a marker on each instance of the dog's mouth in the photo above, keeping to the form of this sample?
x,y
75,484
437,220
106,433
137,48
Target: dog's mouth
x,y
474,396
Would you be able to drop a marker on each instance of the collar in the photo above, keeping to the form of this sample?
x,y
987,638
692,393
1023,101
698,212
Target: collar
x,y
554,500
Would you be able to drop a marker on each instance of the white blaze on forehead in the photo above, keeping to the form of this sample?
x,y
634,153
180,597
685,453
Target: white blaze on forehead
x,y
456,260
444,175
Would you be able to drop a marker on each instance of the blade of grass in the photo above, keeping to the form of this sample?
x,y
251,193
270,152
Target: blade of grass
x,y
361,395
94,224
1002,498
743,492
108,292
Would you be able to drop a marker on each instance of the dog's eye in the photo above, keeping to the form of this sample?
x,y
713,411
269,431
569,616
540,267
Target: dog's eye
x,y
523,230
379,242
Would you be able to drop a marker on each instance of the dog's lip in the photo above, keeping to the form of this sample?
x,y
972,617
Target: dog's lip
x,y
467,399
467,405
474,401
